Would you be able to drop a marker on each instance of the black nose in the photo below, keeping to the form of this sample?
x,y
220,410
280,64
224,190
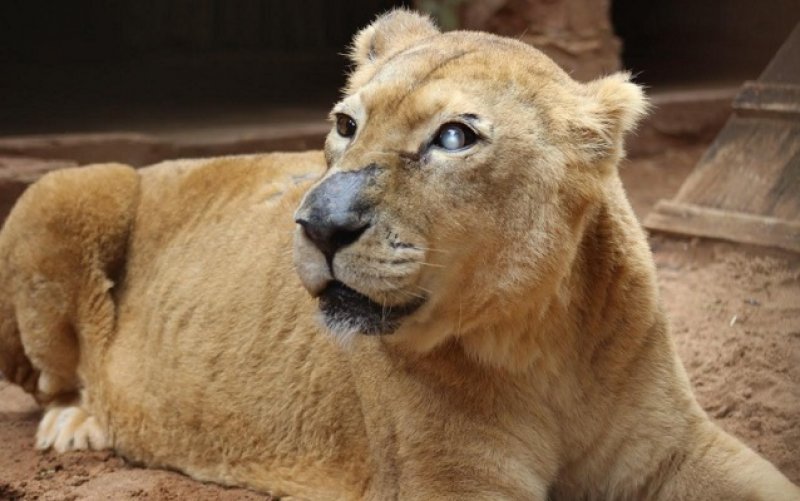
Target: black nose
x,y
337,212
333,233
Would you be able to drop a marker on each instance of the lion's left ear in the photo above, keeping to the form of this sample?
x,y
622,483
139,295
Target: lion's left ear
x,y
615,107
390,33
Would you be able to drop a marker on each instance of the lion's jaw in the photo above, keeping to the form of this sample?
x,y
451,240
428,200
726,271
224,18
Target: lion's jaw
x,y
403,236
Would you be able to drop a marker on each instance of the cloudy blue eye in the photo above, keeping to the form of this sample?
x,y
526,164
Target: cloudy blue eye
x,y
455,136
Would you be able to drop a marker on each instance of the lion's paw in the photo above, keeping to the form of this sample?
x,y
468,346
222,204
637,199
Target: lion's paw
x,y
70,429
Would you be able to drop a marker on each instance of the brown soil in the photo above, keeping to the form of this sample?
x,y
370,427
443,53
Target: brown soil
x,y
735,314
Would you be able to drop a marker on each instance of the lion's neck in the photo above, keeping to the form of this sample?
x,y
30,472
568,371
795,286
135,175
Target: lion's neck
x,y
607,292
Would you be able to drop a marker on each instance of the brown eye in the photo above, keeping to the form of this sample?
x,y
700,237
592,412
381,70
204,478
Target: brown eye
x,y
345,125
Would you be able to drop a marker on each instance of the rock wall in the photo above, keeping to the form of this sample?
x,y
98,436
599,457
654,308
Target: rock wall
x,y
577,34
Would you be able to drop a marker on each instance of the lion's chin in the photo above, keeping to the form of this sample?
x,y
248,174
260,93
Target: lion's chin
x,y
346,311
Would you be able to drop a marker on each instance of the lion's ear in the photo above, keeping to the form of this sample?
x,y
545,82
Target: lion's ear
x,y
388,34
615,107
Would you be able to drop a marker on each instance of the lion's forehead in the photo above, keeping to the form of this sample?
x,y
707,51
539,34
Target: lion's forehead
x,y
415,67
414,97
464,54
462,73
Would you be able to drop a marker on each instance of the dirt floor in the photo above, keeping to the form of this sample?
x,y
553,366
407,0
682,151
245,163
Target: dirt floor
x,y
735,314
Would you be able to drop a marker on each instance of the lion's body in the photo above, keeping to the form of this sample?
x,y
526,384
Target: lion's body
x,y
168,299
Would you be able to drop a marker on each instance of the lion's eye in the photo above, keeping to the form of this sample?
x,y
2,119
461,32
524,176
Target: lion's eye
x,y
345,125
454,136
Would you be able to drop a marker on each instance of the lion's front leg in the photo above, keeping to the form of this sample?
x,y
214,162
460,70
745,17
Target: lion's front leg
x,y
437,475
718,466
528,487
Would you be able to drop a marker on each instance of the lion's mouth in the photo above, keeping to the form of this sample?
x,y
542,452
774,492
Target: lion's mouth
x,y
345,309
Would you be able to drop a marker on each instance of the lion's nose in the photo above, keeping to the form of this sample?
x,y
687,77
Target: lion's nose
x,y
330,234
337,212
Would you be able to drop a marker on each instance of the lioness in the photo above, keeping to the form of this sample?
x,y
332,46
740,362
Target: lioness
x,y
473,315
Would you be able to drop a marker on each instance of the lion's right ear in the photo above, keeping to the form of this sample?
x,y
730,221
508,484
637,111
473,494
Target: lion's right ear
x,y
390,33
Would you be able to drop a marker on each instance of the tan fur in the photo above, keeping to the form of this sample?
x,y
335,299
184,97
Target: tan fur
x,y
159,311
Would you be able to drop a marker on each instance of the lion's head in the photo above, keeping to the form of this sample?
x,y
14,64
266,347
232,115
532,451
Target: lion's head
x,y
459,168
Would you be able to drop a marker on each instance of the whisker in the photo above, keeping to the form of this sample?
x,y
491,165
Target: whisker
x,y
409,293
402,291
431,249
412,294
432,265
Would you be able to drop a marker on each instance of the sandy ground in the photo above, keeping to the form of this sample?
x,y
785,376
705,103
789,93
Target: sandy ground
x,y
735,314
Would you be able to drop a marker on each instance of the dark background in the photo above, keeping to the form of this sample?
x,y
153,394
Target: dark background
x,y
679,42
119,61
74,65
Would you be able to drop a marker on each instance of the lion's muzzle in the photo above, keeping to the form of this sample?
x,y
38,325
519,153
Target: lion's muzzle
x,y
335,214
349,257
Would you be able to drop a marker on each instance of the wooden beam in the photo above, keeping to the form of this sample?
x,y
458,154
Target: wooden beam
x,y
688,219
781,100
